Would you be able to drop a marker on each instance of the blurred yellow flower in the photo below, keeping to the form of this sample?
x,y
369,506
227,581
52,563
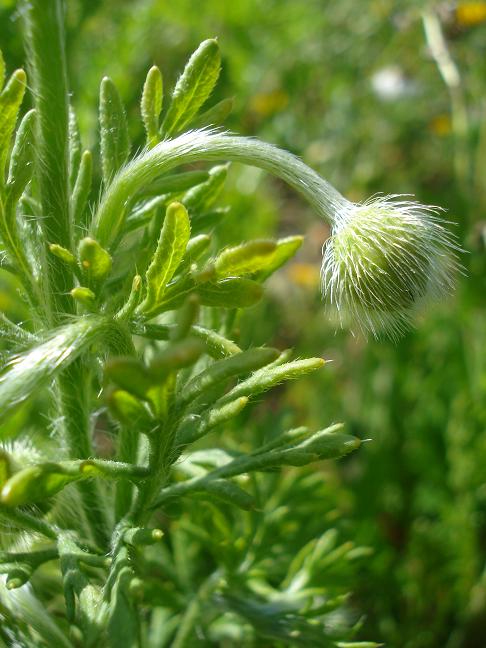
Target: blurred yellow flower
x,y
440,125
306,275
471,13
268,103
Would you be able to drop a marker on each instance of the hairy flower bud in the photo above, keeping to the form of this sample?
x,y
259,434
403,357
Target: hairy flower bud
x,y
384,258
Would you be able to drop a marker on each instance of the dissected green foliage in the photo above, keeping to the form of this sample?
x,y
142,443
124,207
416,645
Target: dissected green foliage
x,y
149,541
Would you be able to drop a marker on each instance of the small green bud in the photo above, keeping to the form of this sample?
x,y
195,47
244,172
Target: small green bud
x,y
95,261
127,409
84,296
384,259
18,576
139,537
61,253
34,484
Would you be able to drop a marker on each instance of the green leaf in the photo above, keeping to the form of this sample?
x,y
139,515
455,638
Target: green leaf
x,y
123,625
63,254
151,104
115,143
267,378
285,250
95,261
22,158
74,147
175,183
84,296
358,644
230,293
246,258
169,253
35,484
193,87
129,374
10,101
176,356
194,427
202,196
215,115
81,191
140,537
24,374
230,493
221,370
127,409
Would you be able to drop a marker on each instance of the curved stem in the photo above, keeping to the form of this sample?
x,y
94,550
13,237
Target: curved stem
x,y
203,145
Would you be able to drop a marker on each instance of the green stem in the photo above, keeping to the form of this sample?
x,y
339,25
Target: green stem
x,y
44,38
26,521
73,401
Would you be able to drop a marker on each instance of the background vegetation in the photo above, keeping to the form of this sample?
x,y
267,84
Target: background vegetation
x,y
354,88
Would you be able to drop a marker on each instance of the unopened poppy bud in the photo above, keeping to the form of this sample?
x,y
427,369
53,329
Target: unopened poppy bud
x,y
383,260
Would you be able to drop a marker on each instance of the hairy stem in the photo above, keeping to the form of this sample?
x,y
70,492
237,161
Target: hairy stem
x,y
44,38
196,146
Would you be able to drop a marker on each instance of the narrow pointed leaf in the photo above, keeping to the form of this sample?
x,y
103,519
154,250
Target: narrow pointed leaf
x,y
285,250
113,130
246,258
175,183
22,158
80,195
193,87
10,101
267,378
169,253
221,370
230,293
215,115
230,493
202,196
74,147
151,104
25,373
2,71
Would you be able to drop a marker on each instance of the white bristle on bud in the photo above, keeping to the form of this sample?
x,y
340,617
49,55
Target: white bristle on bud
x,y
384,259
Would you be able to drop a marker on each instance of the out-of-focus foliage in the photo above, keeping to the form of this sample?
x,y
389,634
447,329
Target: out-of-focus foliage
x,y
353,88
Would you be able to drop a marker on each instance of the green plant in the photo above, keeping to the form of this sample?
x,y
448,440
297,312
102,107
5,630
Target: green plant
x,y
130,298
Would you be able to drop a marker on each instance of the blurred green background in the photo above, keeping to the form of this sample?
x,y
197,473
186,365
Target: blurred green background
x,y
374,103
